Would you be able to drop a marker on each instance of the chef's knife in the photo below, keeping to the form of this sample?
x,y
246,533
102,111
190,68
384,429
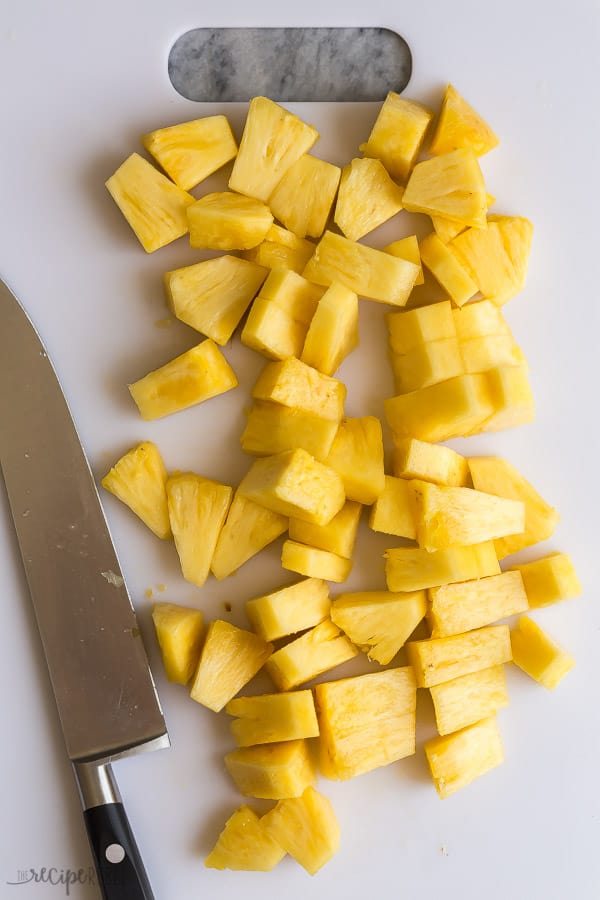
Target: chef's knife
x,y
102,683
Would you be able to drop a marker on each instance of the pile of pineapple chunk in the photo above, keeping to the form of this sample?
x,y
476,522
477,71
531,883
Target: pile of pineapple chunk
x,y
458,371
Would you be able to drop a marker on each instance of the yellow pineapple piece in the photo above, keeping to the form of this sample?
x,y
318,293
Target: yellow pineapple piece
x,y
179,634
412,569
411,329
154,207
333,331
293,383
455,608
497,476
407,248
446,269
302,200
459,758
191,378
379,622
270,718
468,699
510,392
451,186
370,273
397,135
338,536
460,126
278,321
366,721
247,529
197,510
314,562
293,293
192,151
226,221
538,655
281,250
230,658
549,579
392,512
272,771
306,827
272,428
139,480
426,364
245,845
366,199
446,229
441,659
430,462
357,455
492,351
479,319
322,648
291,609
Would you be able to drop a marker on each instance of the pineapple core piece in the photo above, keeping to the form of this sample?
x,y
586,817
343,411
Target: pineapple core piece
x,y
441,659
281,250
295,384
314,562
338,536
430,462
379,622
230,658
456,608
195,376
538,655
226,221
458,759
549,579
333,331
317,651
392,512
412,569
398,134
366,721
411,329
272,771
154,207
460,126
303,198
479,319
306,827
366,199
192,151
270,718
446,269
245,845
450,186
272,428
179,634
247,530
291,609
197,510
272,141
357,455
139,480
407,248
469,699
428,364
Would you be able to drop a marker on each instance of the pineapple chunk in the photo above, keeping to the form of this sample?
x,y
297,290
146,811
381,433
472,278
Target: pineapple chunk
x,y
411,329
549,579
291,609
460,126
179,634
303,198
231,657
273,331
480,319
247,529
226,221
212,296
371,273
306,827
468,699
293,294
281,250
192,151
379,622
366,721
538,655
270,718
458,759
497,476
392,512
272,428
317,651
245,845
367,198
446,269
314,562
398,134
430,462
333,331
511,396
197,510
426,364
295,384
451,186
456,608
446,229
338,536
357,455
272,771
139,480
442,659
154,207
295,484
491,351
412,569
191,378
407,248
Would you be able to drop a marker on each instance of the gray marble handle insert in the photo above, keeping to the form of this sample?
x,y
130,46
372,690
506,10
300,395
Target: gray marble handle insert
x,y
289,64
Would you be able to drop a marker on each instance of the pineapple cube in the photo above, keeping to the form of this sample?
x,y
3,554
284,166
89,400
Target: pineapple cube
x,y
446,269
306,828
460,126
179,634
272,428
366,199
272,771
226,221
245,845
230,658
549,579
272,141
357,455
455,608
154,207
197,510
302,200
450,186
426,364
392,512
314,562
292,293
139,480
468,699
322,648
293,383
366,721
371,273
412,328
494,350
338,536
270,718
407,248
281,250
430,462
248,528
273,331
191,378
192,151
212,296
442,659
412,569
398,134
538,655
510,392
291,609
497,476
333,331
480,319
379,622
459,758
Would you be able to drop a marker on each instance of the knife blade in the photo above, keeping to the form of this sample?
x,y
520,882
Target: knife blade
x,y
104,690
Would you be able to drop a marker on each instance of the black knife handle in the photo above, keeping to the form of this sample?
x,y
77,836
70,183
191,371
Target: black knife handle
x,y
119,866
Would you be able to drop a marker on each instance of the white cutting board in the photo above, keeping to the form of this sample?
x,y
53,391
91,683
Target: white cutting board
x,y
79,83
